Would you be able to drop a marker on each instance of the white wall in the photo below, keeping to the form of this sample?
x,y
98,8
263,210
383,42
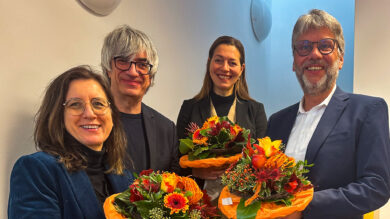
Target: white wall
x,y
372,54
40,39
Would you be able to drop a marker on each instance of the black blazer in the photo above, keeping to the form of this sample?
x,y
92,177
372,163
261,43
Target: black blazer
x,y
249,114
162,141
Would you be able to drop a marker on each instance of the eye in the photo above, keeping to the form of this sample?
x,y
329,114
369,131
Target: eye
x,y
75,104
142,65
233,63
218,60
99,103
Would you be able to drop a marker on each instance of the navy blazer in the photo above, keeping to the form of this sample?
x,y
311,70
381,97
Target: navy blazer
x,y
41,187
350,149
249,114
162,141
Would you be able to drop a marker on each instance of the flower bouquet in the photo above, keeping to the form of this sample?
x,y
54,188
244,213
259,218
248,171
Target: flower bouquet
x,y
265,183
219,141
157,195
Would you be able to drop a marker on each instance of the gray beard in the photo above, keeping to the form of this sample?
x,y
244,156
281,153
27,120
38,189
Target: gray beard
x,y
323,85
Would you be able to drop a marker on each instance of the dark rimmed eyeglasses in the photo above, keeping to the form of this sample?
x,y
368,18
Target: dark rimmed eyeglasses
x,y
325,46
124,64
76,106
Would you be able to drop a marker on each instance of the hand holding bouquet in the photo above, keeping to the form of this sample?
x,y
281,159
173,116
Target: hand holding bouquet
x,y
157,195
265,183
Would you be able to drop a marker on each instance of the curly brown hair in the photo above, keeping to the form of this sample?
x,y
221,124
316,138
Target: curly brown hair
x,y
50,132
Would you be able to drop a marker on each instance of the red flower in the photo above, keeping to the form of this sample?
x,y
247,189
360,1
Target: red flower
x,y
146,172
293,184
135,195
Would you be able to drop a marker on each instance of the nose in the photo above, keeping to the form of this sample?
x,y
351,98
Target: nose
x,y
132,70
225,65
315,53
88,111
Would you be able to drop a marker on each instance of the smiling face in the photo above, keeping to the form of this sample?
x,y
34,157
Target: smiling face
x,y
225,69
88,128
129,83
317,73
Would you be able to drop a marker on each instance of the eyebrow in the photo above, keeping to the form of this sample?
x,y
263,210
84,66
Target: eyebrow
x,y
141,59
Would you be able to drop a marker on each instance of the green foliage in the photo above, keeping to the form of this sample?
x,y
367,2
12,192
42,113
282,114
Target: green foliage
x,y
248,212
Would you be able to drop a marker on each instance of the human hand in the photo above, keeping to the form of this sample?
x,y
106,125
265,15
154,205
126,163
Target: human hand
x,y
209,173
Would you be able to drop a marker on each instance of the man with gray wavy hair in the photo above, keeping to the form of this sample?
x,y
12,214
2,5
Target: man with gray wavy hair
x,y
129,61
345,136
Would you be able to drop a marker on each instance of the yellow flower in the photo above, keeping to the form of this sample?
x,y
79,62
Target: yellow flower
x,y
210,121
169,182
270,147
176,202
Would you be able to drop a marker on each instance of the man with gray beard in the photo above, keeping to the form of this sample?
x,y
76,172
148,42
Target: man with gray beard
x,y
345,136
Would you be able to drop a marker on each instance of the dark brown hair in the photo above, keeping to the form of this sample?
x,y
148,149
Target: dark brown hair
x,y
240,87
50,132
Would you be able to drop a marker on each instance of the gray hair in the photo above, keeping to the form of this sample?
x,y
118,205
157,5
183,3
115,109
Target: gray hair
x,y
317,19
127,41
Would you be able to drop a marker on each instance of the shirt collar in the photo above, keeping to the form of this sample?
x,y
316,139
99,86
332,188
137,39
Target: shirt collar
x,y
322,104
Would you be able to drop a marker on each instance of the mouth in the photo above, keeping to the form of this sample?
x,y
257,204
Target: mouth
x,y
224,77
90,127
314,68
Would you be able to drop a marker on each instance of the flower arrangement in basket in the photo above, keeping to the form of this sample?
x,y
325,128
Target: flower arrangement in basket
x,y
217,138
157,195
265,183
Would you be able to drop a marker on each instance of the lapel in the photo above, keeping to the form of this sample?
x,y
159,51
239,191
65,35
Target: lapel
x,y
242,116
85,196
328,120
150,129
119,183
204,109
289,122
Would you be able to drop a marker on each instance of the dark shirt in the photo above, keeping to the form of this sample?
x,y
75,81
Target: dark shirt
x,y
137,145
222,104
95,171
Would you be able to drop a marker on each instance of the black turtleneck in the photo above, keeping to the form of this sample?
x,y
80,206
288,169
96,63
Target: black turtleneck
x,y
95,168
95,171
222,104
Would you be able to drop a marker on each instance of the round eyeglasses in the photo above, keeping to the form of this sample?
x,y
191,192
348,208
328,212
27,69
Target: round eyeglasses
x,y
76,106
124,64
325,46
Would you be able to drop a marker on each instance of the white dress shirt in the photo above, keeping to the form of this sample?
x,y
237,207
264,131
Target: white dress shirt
x,y
304,127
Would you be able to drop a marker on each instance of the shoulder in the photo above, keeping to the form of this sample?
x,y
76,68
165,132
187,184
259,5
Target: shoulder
x,y
252,104
360,102
37,159
287,110
149,112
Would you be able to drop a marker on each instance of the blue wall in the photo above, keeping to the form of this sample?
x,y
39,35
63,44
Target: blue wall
x,y
271,80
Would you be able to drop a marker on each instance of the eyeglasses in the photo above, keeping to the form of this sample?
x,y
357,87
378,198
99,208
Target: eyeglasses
x,y
325,46
76,106
124,64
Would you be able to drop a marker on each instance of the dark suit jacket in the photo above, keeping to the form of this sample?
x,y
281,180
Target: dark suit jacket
x,y
162,141
350,149
249,114
41,187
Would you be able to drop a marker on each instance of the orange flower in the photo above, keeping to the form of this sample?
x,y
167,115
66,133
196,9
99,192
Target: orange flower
x,y
197,138
270,147
190,185
169,182
279,160
210,122
176,202
235,129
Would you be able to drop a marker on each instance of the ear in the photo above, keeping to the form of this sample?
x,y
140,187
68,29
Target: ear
x,y
242,68
293,67
341,62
